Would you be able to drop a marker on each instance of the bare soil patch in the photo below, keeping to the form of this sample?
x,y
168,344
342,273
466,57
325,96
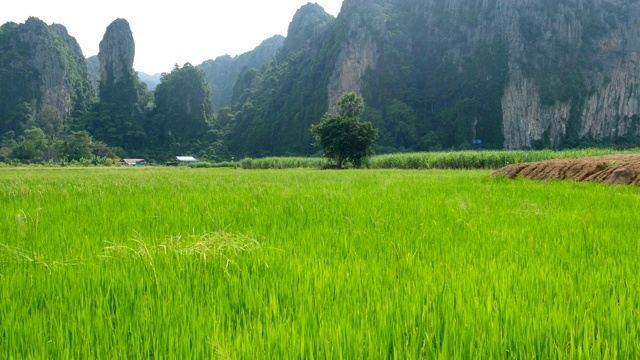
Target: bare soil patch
x,y
610,169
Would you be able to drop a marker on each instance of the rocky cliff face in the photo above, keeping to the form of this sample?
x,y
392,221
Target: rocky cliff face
x,y
526,119
362,21
572,66
590,46
93,66
613,110
44,73
53,88
117,52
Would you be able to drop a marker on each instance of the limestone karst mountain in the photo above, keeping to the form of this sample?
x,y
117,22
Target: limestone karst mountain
x,y
442,73
117,52
435,74
117,117
43,77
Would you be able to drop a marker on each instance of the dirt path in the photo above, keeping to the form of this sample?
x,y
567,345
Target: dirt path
x,y
611,169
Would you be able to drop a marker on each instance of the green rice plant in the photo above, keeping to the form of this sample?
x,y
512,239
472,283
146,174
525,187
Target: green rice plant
x,y
203,263
205,164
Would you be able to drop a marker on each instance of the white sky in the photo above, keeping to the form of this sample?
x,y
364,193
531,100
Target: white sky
x,y
168,33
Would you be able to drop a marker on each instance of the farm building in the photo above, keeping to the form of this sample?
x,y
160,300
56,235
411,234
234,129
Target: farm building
x,y
133,162
187,159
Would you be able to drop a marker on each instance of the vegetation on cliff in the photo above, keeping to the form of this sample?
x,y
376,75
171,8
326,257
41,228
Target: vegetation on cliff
x,y
183,112
221,74
276,106
28,52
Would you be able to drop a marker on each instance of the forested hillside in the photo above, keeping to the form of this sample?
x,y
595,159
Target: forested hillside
x,y
221,74
275,107
434,74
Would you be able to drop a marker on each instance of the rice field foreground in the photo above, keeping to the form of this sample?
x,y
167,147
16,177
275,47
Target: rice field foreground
x,y
228,263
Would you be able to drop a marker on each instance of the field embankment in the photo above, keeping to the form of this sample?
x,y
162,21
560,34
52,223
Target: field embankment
x,y
611,169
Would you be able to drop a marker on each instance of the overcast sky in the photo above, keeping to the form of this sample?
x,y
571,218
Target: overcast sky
x,y
168,33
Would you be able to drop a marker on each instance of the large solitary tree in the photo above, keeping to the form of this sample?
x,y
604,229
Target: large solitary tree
x,y
343,137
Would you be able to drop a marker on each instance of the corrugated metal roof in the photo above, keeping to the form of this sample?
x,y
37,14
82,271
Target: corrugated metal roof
x,y
133,161
186,158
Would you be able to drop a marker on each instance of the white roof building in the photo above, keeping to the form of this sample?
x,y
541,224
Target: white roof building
x,y
186,158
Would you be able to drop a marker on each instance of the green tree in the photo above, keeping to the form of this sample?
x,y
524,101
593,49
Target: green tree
x,y
49,120
78,145
118,117
7,145
33,146
351,105
23,117
344,137
184,109
399,126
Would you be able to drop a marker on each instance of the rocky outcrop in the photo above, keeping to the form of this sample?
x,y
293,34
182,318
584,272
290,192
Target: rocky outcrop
x,y
609,113
53,89
309,22
359,53
43,67
598,43
525,119
120,112
117,52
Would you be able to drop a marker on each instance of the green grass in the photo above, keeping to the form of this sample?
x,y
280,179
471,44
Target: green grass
x,y
202,263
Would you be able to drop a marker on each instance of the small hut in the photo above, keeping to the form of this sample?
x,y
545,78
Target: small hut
x,y
133,162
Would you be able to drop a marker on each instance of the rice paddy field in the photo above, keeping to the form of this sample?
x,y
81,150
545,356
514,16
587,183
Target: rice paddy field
x,y
289,264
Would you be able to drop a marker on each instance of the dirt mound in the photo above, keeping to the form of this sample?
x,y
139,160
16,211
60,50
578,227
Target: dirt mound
x,y
611,169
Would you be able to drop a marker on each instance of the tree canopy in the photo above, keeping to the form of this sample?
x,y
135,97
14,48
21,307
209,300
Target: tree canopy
x,y
343,137
183,111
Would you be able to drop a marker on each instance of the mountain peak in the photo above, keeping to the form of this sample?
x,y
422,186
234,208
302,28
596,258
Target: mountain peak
x,y
117,51
308,22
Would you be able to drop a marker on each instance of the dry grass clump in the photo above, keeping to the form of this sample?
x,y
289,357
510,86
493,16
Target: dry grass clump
x,y
220,244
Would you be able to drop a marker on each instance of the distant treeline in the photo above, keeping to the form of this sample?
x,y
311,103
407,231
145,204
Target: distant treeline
x,y
466,160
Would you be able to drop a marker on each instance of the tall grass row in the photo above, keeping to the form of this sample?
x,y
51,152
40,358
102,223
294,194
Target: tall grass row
x,y
436,160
